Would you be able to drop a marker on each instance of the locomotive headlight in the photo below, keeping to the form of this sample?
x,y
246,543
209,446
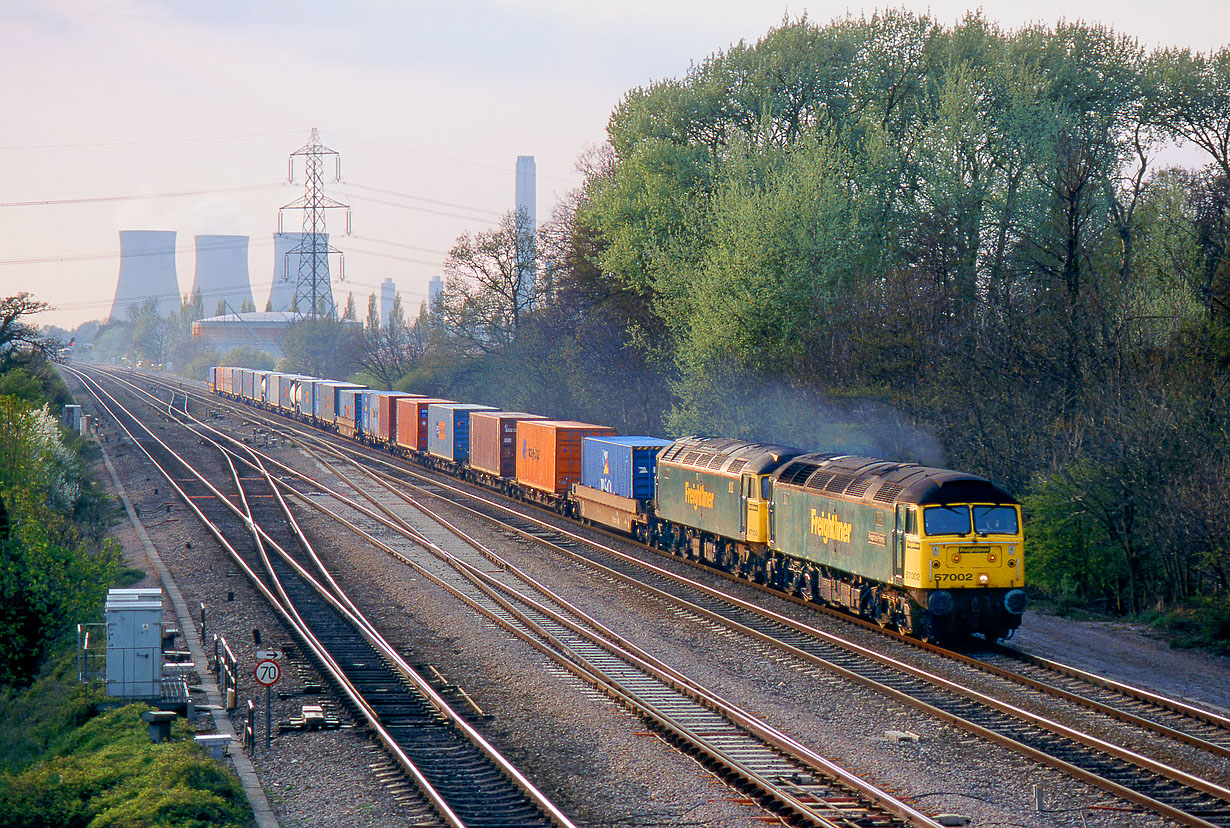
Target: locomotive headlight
x,y
983,579
956,557
1012,562
991,557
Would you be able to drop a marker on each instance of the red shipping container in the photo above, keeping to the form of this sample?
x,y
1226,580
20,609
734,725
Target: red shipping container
x,y
493,441
386,416
549,452
412,421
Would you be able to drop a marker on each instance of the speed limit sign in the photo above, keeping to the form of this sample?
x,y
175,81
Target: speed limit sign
x,y
268,672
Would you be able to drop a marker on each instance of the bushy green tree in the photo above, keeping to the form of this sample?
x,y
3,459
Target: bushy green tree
x,y
50,577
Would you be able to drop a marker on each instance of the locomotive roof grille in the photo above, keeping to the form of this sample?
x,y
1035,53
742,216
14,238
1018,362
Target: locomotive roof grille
x,y
839,483
796,473
859,487
887,493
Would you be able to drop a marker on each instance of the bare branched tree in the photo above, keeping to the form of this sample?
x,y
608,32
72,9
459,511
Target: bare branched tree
x,y
490,285
390,351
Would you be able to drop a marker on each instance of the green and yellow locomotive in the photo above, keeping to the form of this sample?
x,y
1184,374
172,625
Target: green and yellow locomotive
x,y
932,552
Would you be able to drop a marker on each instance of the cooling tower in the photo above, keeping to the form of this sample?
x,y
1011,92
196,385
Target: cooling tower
x,y
222,273
147,271
283,290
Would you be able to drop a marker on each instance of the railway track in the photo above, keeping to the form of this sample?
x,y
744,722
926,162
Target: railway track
x,y
1182,797
464,778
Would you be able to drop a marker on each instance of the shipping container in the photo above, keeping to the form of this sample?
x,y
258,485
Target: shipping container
x,y
212,379
549,452
383,416
288,386
265,390
250,387
622,466
448,430
412,422
328,402
350,410
493,441
305,397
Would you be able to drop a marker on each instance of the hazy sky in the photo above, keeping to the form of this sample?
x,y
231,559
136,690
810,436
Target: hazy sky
x,y
108,100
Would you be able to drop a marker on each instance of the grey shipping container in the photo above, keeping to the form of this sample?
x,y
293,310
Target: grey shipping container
x,y
493,441
448,430
621,465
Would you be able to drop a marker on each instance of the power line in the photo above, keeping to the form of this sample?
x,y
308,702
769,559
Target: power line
x,y
147,141
139,197
88,257
420,209
362,252
465,161
421,198
399,244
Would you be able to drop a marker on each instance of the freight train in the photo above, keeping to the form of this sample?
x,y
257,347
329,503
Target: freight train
x,y
934,553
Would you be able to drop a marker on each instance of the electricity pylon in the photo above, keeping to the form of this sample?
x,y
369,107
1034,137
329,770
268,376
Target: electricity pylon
x,y
313,291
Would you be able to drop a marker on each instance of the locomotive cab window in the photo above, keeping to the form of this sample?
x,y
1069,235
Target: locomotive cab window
x,y
766,487
946,520
911,522
995,520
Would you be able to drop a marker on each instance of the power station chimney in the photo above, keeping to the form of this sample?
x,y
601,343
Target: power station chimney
x,y
388,289
147,271
222,273
527,227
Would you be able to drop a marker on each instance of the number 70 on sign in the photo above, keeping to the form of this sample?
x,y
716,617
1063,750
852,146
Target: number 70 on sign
x,y
267,672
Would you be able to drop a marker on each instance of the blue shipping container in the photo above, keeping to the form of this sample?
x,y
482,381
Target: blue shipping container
x,y
338,389
448,430
621,465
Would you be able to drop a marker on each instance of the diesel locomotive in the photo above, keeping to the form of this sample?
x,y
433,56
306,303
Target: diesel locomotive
x,y
934,553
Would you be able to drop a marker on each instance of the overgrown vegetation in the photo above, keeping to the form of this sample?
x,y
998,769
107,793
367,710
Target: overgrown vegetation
x,y
106,772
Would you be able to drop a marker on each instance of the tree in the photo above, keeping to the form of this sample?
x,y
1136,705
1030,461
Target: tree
x,y
50,577
1194,100
490,284
19,340
350,309
321,348
388,353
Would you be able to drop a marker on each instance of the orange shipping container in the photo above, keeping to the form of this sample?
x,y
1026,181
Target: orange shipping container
x,y
549,452
412,421
385,421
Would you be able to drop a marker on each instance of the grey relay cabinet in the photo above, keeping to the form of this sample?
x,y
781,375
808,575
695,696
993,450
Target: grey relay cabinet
x,y
134,643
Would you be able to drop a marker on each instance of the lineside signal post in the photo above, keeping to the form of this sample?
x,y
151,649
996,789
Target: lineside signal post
x,y
267,672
